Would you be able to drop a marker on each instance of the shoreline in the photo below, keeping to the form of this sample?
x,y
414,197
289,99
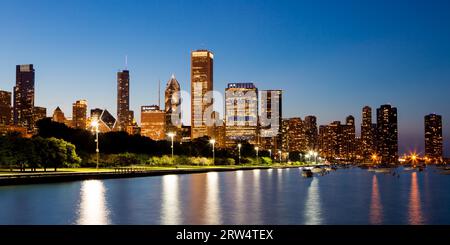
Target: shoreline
x,y
59,177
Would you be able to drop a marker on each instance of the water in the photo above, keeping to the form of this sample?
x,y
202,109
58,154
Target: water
x,y
278,196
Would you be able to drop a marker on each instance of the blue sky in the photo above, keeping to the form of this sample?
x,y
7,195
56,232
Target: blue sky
x,y
330,57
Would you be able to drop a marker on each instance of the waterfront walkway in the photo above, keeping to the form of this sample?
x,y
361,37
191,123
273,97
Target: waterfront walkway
x,y
64,175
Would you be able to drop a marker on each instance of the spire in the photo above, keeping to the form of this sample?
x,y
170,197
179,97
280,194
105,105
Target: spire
x,y
173,76
126,62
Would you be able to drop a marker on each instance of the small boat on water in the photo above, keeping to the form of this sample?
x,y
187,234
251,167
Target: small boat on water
x,y
317,170
307,173
383,170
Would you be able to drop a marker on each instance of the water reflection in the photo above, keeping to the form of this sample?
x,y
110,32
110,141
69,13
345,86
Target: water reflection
x,y
239,198
93,209
415,209
212,206
313,212
376,208
256,198
170,206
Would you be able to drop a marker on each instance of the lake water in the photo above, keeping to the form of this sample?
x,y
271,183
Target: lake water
x,y
275,196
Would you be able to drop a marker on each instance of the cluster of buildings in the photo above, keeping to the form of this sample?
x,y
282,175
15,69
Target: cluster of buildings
x,y
251,115
21,115
378,142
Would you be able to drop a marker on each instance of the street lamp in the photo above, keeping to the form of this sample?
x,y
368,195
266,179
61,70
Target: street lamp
x,y
95,126
374,158
257,151
315,157
307,156
213,142
279,153
171,135
239,150
414,158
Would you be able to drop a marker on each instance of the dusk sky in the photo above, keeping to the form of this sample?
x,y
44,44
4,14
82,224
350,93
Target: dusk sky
x,y
330,57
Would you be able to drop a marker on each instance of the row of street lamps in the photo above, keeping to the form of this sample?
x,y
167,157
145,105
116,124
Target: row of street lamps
x,y
95,128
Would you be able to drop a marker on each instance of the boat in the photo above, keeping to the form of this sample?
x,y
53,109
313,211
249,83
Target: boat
x,y
317,170
383,170
307,173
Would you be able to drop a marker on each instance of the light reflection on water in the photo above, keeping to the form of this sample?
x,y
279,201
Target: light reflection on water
x,y
256,198
415,209
212,209
376,208
239,202
93,209
170,205
279,196
313,211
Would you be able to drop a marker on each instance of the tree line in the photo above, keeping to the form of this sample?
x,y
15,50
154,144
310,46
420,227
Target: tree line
x,y
37,152
56,145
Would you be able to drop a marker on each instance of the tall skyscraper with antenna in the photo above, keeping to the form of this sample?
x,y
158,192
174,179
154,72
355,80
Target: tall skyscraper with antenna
x,y
124,115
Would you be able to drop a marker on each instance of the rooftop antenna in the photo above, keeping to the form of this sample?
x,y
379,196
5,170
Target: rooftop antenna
x,y
126,62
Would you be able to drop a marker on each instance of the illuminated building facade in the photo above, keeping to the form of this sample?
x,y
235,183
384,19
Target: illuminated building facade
x,y
294,137
348,143
172,107
153,122
241,113
387,134
368,134
201,85
270,119
433,138
24,96
106,121
79,114
337,141
58,116
39,113
5,108
124,115
311,135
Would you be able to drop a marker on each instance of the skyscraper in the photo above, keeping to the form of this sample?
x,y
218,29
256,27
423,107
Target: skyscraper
x,y
349,139
79,114
24,96
153,122
367,134
39,113
337,141
201,85
5,108
433,137
241,113
387,134
58,116
173,106
271,119
310,127
293,137
124,116
331,138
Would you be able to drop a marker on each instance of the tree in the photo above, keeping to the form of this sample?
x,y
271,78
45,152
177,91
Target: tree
x,y
62,153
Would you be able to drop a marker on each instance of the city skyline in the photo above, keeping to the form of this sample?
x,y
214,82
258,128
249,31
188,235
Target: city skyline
x,y
290,76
